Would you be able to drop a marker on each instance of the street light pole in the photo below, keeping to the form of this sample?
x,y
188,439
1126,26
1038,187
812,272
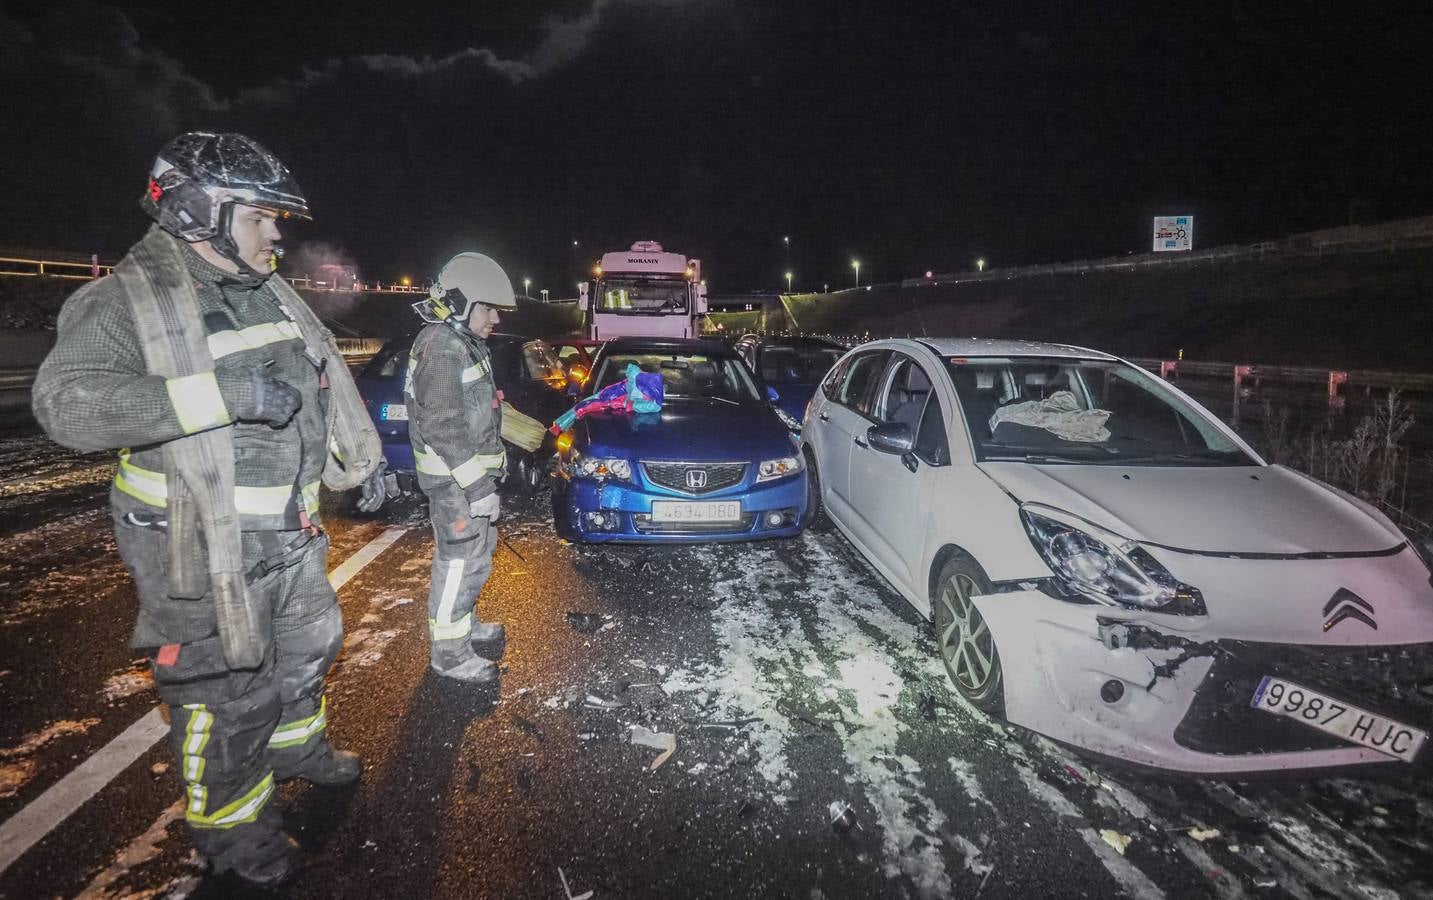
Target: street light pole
x,y
526,283
856,264
788,282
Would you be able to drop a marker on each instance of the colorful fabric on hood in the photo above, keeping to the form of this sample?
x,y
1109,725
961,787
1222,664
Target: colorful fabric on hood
x,y
639,392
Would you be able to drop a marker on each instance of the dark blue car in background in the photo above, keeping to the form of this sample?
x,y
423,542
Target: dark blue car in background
x,y
792,365
525,370
717,463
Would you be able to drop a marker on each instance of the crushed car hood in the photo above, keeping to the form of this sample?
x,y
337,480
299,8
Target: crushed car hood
x,y
689,431
1218,510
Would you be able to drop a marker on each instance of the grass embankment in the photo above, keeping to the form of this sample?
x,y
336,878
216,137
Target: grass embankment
x,y
1350,311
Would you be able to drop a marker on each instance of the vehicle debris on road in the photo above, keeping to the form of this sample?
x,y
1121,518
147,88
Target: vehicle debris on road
x,y
1116,840
585,622
658,740
843,817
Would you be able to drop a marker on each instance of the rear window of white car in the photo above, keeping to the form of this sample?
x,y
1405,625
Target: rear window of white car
x,y
1056,410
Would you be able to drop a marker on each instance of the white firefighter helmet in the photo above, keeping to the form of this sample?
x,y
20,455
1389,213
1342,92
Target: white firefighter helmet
x,y
466,279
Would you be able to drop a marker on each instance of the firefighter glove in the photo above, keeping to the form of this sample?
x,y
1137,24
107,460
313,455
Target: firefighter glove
x,y
488,507
274,402
374,491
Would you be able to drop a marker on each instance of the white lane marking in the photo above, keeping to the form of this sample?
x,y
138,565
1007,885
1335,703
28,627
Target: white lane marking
x,y
351,566
45,813
22,830
1134,882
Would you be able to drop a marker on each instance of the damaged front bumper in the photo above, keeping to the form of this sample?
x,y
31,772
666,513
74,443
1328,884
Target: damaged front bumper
x,y
1156,690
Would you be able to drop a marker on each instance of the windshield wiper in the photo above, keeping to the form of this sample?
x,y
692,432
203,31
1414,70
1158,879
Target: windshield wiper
x,y
1209,457
1047,458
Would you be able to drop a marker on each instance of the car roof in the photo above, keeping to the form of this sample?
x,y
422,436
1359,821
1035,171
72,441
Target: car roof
x,y
995,347
680,345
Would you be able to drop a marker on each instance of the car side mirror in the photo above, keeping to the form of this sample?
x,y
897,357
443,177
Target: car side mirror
x,y
891,437
771,394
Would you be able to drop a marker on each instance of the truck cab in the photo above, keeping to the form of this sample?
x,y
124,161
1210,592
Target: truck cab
x,y
644,291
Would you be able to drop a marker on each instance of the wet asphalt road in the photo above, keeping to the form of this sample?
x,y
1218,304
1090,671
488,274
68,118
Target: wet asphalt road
x,y
790,676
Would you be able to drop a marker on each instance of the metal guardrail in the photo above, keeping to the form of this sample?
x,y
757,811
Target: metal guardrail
x,y
52,268
75,270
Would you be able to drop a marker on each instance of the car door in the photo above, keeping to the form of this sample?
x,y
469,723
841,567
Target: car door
x,y
890,492
842,419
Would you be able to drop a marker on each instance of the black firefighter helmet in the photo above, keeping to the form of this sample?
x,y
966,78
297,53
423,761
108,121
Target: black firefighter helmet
x,y
199,176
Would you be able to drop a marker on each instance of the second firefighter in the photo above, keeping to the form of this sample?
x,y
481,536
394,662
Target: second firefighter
x,y
455,423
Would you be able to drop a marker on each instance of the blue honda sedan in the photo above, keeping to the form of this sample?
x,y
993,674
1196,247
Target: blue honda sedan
x,y
715,464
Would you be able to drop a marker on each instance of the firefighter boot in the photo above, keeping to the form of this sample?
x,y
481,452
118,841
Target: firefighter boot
x,y
473,670
325,767
489,639
258,852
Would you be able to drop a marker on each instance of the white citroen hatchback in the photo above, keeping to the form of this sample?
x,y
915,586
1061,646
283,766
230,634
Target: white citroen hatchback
x,y
1108,564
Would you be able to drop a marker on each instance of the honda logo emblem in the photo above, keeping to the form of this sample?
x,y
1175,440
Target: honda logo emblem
x,y
696,478
1345,604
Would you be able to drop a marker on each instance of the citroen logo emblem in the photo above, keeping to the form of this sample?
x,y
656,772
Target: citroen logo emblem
x,y
696,478
1345,604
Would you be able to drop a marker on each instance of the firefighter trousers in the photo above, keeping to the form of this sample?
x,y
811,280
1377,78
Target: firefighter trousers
x,y
236,732
462,561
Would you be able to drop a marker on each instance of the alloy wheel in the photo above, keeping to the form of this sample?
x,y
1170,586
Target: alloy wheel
x,y
966,645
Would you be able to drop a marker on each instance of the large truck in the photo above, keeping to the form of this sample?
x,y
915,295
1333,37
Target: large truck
x,y
643,292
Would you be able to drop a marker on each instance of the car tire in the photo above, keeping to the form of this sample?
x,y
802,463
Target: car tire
x,y
816,518
966,646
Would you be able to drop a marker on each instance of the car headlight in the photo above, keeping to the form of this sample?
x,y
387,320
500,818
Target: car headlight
x,y
772,469
1099,565
601,468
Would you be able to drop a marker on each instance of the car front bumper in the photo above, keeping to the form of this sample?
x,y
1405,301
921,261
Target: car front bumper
x,y
1183,700
626,511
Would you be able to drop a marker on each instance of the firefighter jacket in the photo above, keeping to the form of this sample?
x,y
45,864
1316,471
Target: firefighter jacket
x,y
94,392
454,412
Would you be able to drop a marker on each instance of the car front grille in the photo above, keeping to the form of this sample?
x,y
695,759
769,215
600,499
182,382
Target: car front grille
x,y
712,476
1394,681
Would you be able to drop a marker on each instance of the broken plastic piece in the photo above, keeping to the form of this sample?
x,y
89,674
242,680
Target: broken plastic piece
x,y
658,740
568,891
1116,840
843,818
585,622
1203,834
597,702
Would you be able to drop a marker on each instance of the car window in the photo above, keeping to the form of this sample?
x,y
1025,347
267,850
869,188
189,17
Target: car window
x,y
902,397
931,444
861,381
835,378
542,363
1082,411
797,365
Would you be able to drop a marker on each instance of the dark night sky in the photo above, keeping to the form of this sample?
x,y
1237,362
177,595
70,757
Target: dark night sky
x,y
911,136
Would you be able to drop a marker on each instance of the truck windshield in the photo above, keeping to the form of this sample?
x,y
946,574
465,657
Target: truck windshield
x,y
1091,412
643,296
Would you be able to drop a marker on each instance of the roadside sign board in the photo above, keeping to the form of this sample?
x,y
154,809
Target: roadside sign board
x,y
1173,233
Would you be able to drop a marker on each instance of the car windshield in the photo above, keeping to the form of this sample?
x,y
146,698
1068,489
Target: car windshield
x,y
643,295
1054,410
798,364
696,376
